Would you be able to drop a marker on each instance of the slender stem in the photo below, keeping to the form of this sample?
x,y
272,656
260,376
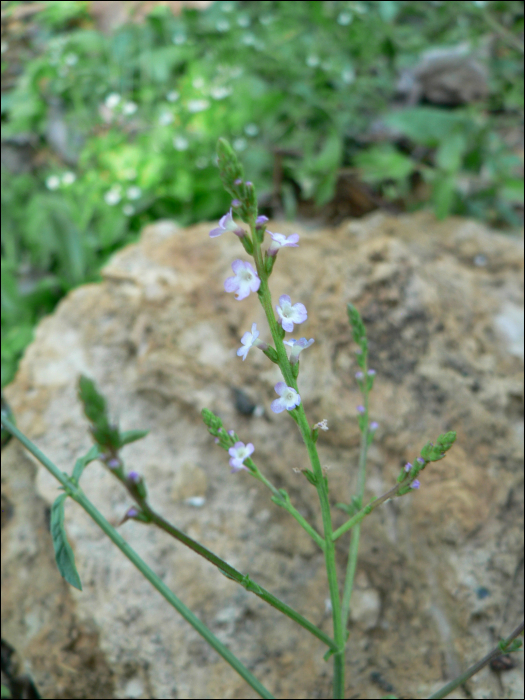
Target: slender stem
x,y
322,489
223,566
356,532
289,507
355,519
497,651
76,493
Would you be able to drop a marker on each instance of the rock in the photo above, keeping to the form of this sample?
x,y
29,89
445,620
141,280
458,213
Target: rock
x,y
446,76
438,570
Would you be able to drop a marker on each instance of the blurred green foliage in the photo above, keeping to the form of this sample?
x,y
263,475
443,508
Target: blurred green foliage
x,y
128,125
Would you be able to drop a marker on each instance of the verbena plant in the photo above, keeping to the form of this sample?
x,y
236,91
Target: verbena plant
x,y
253,278
138,113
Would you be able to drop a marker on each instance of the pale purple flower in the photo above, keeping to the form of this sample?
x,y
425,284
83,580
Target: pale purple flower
x,y
371,372
289,398
225,224
359,375
420,460
249,340
114,463
279,240
408,467
297,347
239,452
290,314
415,484
244,281
260,220
322,425
373,426
361,409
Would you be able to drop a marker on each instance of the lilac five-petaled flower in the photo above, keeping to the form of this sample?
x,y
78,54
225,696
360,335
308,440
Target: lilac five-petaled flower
x,y
279,240
297,347
238,453
249,340
244,281
226,223
288,400
289,314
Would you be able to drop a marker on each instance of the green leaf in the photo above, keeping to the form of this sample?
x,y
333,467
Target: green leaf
x,y
131,435
449,155
82,462
443,195
428,126
64,556
384,162
94,403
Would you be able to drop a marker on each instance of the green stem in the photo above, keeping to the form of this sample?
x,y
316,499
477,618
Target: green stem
x,y
279,500
223,566
356,532
76,493
497,651
321,484
355,519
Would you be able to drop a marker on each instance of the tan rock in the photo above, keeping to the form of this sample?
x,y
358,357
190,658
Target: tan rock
x,y
159,335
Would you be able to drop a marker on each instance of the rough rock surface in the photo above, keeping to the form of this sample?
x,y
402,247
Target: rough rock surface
x,y
440,571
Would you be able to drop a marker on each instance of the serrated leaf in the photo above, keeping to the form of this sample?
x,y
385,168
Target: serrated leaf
x,y
64,556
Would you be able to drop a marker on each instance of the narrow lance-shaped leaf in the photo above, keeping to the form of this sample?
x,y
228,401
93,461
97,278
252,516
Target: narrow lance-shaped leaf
x,y
82,462
64,556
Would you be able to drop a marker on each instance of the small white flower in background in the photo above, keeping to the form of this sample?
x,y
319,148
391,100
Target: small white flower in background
x,y
130,174
249,39
128,209
243,21
195,501
112,100
53,182
288,400
289,314
198,82
297,347
70,59
195,106
244,281
322,425
129,108
227,7
239,452
165,118
240,144
68,178
179,39
348,76
222,25
313,61
220,92
344,19
180,143
251,129
201,162
113,196
173,96
134,192
250,340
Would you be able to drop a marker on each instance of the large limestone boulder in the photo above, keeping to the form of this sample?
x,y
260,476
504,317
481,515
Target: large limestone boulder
x,y
440,571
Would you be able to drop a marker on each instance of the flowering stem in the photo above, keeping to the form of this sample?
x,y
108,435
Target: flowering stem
x,y
75,492
356,519
497,651
321,484
356,531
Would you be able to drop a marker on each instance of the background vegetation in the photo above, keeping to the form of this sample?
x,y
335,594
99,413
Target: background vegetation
x,y
103,133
